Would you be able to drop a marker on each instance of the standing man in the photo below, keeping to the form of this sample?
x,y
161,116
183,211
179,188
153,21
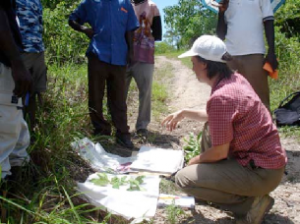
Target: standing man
x,y
142,66
30,14
241,159
242,23
111,48
14,84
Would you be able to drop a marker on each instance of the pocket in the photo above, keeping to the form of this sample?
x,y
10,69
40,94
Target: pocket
x,y
123,16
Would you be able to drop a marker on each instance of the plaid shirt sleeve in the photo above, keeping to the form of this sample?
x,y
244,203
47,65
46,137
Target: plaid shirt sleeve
x,y
221,112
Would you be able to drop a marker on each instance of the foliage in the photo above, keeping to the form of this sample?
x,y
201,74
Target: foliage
x,y
174,213
192,147
288,18
163,47
62,43
186,21
116,182
52,4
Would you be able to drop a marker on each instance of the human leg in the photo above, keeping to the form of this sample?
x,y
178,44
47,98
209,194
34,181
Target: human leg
x,y
116,98
97,76
143,75
35,63
14,134
251,67
228,184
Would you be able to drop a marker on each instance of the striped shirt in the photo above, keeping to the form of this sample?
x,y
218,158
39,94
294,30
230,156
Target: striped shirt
x,y
236,115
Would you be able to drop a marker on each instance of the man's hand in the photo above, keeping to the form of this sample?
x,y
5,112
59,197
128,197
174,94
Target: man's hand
x,y
21,77
223,5
172,120
89,32
271,58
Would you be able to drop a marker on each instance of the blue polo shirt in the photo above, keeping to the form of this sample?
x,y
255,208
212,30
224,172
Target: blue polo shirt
x,y
110,20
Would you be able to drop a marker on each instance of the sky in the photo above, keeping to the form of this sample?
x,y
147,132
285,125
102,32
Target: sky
x,y
162,4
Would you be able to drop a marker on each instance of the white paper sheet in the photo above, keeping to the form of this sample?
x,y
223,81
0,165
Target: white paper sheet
x,y
158,160
98,157
129,204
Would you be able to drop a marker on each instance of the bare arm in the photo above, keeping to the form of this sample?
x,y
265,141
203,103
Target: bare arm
x,y
214,154
129,40
80,28
8,46
222,26
270,35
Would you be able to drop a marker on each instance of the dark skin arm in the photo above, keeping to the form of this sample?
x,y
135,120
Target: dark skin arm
x,y
271,57
222,26
156,28
80,28
20,74
129,39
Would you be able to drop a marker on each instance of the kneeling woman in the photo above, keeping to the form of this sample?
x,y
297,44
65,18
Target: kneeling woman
x,y
242,160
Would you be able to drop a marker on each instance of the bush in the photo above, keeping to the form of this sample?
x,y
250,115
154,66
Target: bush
x,y
163,47
62,43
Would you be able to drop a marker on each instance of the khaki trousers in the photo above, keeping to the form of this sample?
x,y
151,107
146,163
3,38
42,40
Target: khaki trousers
x,y
226,183
251,67
14,134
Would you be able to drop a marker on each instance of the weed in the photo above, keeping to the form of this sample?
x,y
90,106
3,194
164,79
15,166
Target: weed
x,y
174,213
192,147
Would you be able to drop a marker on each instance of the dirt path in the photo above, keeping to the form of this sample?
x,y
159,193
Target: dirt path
x,y
187,92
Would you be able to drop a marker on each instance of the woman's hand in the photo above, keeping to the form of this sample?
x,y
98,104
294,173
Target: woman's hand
x,y
172,120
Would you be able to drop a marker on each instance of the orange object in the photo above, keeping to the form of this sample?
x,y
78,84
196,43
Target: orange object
x,y
273,74
124,10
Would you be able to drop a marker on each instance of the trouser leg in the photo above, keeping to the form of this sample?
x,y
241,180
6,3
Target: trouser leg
x,y
14,138
128,81
143,75
116,98
14,134
97,76
226,183
251,67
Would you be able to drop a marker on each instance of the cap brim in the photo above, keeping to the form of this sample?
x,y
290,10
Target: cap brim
x,y
188,54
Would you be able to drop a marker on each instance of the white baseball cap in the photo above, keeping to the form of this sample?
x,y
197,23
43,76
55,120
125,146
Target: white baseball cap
x,y
208,47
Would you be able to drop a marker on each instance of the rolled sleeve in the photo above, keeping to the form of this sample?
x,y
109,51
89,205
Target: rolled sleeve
x,y
221,112
132,22
267,10
80,14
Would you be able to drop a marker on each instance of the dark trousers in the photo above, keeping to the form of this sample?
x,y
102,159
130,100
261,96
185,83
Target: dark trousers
x,y
114,76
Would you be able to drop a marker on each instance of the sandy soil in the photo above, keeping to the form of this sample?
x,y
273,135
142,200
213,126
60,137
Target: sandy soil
x,y
187,92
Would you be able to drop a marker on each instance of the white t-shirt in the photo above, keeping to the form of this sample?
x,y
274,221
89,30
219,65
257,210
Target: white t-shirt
x,y
245,28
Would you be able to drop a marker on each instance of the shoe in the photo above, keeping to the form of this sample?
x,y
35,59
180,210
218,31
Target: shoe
x,y
125,141
259,208
142,132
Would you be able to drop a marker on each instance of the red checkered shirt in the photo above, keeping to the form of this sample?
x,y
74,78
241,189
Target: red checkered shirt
x,y
237,115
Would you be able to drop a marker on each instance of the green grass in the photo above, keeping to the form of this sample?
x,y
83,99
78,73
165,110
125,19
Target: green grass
x,y
288,82
174,55
43,191
160,92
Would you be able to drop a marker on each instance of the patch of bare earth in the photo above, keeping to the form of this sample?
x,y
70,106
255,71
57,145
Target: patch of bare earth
x,y
186,92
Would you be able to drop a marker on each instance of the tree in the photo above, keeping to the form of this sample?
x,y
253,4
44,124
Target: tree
x,y
288,18
186,21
